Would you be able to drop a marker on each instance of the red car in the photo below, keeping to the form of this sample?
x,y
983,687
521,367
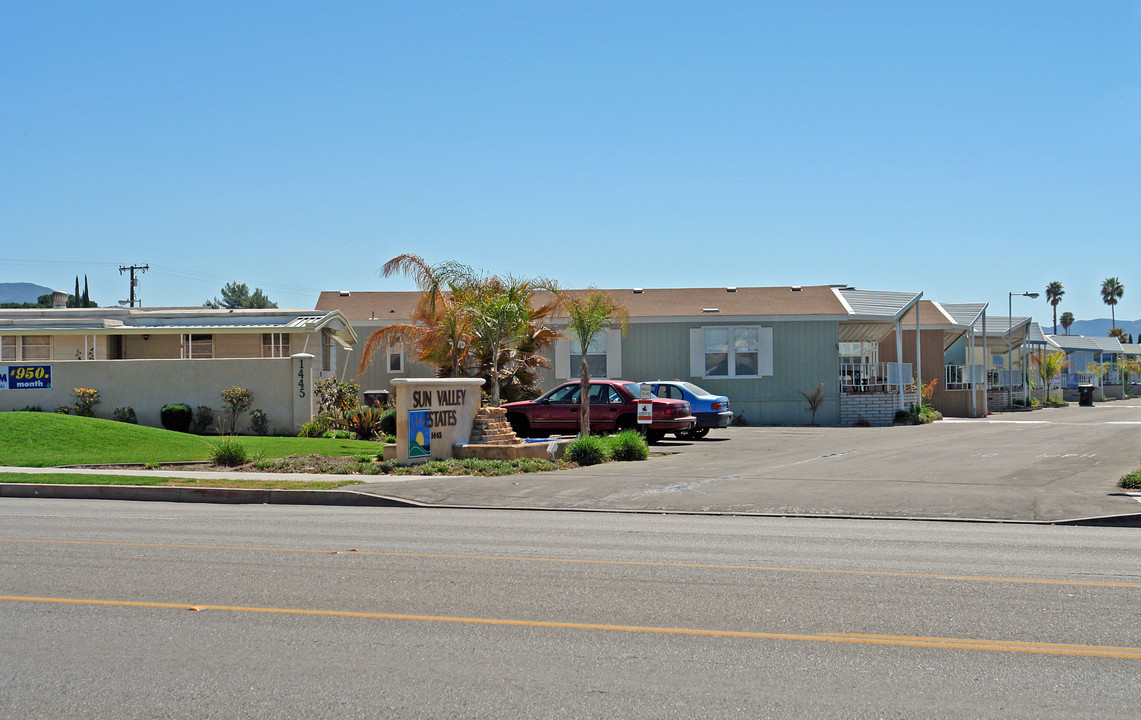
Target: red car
x,y
613,406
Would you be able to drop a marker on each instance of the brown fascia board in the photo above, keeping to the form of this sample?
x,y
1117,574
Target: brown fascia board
x,y
648,303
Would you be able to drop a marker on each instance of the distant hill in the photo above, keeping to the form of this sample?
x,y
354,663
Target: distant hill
x,y
22,292
1097,328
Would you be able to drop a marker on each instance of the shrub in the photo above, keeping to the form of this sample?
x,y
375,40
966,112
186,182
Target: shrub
x,y
362,421
63,410
337,435
176,417
125,414
203,419
30,408
628,445
229,453
334,396
237,400
388,421
1132,481
316,427
85,401
259,422
587,450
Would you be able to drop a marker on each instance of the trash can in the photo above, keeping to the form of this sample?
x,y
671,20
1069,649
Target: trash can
x,y
1085,395
376,398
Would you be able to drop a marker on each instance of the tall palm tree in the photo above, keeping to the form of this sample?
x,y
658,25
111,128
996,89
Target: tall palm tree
x,y
1067,321
1111,292
588,314
1054,293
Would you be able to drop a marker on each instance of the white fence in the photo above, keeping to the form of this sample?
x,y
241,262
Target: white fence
x,y
873,377
964,377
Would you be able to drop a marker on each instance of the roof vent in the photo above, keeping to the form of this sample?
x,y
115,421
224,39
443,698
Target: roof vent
x,y
731,288
710,310
638,291
795,288
345,293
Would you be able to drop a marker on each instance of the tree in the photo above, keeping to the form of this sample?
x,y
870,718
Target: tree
x,y
468,323
1111,291
1048,366
237,295
588,314
1117,333
86,298
1054,293
1067,321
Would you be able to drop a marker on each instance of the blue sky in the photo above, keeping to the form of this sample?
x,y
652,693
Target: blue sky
x,y
963,149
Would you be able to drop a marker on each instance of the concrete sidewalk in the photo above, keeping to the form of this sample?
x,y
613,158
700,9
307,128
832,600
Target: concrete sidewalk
x,y
1054,465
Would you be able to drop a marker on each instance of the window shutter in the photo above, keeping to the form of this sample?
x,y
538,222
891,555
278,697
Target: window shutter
x,y
765,356
696,352
614,354
562,359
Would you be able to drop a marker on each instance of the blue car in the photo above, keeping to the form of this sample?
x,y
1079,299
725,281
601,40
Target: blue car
x,y
712,411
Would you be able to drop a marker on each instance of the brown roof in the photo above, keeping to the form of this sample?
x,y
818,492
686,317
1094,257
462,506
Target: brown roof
x,y
648,303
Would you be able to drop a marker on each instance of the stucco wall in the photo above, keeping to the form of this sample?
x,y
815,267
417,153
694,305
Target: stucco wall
x,y
147,385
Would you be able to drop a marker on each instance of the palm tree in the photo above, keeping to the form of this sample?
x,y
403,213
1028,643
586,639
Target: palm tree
x,y
520,362
1111,292
588,314
1054,293
440,326
1049,366
1067,321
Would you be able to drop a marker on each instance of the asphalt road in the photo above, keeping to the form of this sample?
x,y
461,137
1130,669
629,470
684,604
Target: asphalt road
x,y
119,610
1048,465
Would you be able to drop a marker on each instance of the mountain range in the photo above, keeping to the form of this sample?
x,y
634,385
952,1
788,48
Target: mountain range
x,y
1094,328
22,292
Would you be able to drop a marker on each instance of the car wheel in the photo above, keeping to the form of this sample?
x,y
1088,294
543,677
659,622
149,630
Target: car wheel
x,y
654,436
520,425
698,433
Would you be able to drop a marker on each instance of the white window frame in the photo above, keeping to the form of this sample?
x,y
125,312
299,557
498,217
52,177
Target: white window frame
x,y
277,347
9,348
191,342
697,345
566,370
395,352
24,345
328,352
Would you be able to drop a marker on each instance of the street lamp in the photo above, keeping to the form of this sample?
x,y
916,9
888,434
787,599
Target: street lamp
x,y
1009,329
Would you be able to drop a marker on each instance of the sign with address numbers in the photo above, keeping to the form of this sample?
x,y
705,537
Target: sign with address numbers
x,y
25,377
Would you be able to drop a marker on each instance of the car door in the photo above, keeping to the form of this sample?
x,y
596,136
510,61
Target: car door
x,y
559,412
606,404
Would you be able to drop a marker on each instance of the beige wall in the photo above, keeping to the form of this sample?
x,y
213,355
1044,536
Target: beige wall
x,y
147,385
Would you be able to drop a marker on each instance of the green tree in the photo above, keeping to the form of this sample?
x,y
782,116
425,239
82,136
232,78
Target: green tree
x,y
86,298
1111,291
1054,293
237,295
588,314
1049,365
1067,321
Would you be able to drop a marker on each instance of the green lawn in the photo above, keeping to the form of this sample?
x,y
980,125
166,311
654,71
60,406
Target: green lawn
x,y
30,439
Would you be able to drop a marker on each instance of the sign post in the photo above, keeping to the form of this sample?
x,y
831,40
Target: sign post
x,y
645,405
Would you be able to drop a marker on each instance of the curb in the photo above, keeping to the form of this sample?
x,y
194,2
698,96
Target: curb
x,y
352,498
225,496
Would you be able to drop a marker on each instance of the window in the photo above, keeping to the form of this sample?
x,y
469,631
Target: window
x,y
595,356
328,354
396,358
199,346
729,351
36,347
8,347
275,345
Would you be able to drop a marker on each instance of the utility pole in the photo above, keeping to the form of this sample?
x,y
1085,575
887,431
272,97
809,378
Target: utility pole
x,y
134,280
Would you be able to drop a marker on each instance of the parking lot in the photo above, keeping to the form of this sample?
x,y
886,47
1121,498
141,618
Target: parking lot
x,y
1047,465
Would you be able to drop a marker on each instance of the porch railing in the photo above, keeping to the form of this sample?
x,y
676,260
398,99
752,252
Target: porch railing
x,y
873,377
1072,380
964,377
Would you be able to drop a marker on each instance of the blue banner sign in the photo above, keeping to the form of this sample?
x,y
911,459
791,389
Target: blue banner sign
x,y
25,377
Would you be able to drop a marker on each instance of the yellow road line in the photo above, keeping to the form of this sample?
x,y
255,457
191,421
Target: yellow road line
x,y
635,563
1121,653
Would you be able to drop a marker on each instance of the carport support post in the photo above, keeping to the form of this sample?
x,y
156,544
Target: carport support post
x,y
899,360
918,361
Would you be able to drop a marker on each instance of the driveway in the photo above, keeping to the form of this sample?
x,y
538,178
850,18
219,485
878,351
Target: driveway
x,y
1051,464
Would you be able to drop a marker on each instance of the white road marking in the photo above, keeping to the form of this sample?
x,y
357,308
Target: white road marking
x,y
1135,495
